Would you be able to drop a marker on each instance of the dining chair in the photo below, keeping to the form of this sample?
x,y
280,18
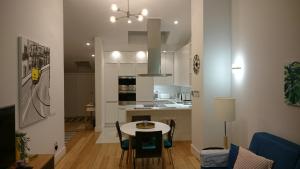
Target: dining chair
x,y
141,118
168,143
148,145
123,143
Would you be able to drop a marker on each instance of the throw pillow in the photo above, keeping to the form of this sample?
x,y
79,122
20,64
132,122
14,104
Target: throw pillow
x,y
249,160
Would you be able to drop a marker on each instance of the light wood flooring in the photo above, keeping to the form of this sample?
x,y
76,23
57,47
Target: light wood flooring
x,y
84,153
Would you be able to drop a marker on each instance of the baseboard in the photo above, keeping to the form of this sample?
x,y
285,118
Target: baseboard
x,y
58,156
195,151
98,129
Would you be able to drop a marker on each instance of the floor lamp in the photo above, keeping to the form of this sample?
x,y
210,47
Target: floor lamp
x,y
225,109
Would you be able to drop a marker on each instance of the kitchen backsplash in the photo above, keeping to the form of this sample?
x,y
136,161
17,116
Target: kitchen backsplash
x,y
172,92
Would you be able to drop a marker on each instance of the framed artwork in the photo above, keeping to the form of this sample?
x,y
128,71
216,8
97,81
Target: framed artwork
x,y
34,81
292,83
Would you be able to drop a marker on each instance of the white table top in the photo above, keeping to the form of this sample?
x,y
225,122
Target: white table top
x,y
130,128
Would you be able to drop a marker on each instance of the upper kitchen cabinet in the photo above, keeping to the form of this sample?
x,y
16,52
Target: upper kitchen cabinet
x,y
141,68
111,81
182,66
127,69
167,67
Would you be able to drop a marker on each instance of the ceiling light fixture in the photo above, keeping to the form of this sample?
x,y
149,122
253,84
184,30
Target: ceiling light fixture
x,y
93,55
88,44
116,54
176,22
141,55
127,14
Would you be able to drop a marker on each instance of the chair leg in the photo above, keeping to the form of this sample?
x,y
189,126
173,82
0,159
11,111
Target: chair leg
x,y
127,158
170,153
168,150
121,159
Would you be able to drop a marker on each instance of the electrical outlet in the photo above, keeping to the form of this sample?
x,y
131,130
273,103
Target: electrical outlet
x,y
55,146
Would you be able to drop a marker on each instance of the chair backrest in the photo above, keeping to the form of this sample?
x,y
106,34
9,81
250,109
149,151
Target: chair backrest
x,y
148,144
172,130
119,131
141,118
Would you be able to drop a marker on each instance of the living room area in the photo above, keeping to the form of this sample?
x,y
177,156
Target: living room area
x,y
247,50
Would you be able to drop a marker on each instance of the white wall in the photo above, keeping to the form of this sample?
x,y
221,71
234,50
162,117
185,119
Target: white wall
x,y
266,36
79,91
41,21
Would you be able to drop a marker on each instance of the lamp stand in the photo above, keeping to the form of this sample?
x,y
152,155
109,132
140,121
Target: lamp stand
x,y
225,137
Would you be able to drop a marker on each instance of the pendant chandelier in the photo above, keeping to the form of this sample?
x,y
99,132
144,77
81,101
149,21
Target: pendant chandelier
x,y
126,14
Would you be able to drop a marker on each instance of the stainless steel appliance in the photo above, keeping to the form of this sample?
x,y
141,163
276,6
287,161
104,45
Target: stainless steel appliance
x,y
127,94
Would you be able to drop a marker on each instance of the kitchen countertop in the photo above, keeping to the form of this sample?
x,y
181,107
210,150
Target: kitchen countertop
x,y
160,105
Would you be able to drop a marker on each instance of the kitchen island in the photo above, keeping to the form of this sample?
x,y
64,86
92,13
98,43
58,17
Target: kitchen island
x,y
164,113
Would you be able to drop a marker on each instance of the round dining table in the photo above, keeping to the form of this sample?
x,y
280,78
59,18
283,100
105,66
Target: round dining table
x,y
130,129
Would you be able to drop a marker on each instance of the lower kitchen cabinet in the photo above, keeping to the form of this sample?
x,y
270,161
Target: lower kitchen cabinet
x,y
122,114
111,113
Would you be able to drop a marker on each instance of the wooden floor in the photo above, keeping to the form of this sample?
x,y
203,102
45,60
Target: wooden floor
x,y
84,153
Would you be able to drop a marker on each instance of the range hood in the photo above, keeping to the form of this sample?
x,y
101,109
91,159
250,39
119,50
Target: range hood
x,y
154,48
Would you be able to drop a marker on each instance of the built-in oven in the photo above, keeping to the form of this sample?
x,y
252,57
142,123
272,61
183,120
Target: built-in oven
x,y
127,94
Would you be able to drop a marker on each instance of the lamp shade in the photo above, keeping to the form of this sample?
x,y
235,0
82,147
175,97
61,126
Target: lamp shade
x,y
225,108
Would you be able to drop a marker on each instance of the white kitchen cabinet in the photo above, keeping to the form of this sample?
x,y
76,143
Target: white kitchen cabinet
x,y
122,114
182,66
111,113
111,82
144,88
167,63
141,68
127,69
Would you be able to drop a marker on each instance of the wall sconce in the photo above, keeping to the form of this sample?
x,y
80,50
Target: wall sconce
x,y
236,67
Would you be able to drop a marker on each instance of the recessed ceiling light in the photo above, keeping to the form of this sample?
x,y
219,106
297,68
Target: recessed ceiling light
x,y
176,22
88,44
93,55
164,51
129,21
116,54
140,54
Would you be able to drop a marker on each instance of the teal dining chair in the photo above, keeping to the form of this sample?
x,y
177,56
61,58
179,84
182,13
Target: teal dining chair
x,y
168,143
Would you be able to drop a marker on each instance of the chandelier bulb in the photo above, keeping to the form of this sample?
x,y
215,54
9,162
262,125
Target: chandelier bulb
x,y
113,19
140,18
144,12
114,7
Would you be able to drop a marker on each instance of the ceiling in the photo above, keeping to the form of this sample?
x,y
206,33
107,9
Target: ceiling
x,y
86,19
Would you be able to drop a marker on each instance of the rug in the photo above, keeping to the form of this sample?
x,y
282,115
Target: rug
x,y
108,135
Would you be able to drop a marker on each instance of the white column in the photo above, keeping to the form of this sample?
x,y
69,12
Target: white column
x,y
99,84
197,48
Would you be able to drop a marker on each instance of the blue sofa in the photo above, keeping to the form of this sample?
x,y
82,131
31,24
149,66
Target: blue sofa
x,y
285,154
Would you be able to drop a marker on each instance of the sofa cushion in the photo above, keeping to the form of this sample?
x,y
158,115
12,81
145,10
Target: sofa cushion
x,y
233,153
285,154
248,160
298,164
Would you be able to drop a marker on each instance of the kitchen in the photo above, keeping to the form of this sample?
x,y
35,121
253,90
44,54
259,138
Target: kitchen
x,y
132,92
